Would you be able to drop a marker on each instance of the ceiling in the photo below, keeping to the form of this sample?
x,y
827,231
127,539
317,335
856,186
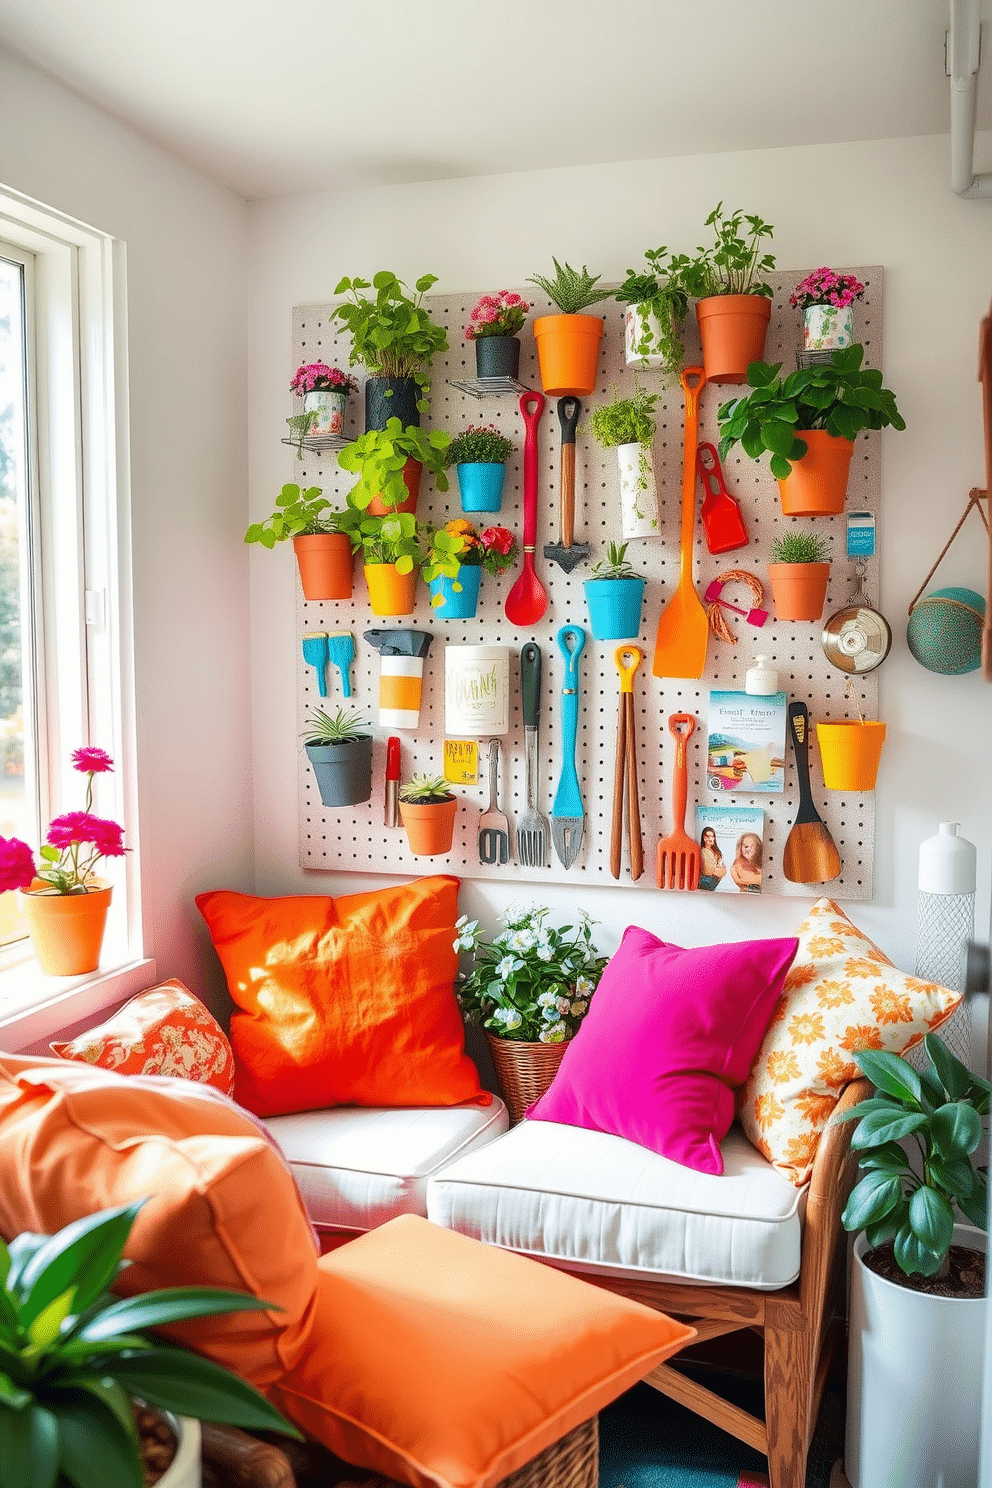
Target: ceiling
x,y
272,97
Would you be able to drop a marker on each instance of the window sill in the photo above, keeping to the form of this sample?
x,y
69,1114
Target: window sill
x,y
34,1007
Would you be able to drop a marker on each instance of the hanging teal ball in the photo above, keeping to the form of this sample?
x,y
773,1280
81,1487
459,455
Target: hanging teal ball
x,y
945,631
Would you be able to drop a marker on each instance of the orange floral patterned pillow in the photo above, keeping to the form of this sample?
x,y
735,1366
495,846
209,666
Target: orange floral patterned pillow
x,y
841,995
164,1031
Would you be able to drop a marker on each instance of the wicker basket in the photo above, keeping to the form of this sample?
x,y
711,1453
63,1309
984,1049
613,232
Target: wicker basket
x,y
524,1071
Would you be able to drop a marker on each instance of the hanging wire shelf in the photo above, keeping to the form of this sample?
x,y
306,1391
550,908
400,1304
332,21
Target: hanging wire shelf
x,y
319,443
488,387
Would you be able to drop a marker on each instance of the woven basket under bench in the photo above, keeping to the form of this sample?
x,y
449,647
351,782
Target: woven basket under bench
x,y
233,1459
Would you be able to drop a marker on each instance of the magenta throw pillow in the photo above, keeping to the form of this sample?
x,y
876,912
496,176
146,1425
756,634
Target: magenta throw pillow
x,y
669,1035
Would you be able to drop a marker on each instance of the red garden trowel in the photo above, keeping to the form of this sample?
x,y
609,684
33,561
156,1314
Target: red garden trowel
x,y
721,514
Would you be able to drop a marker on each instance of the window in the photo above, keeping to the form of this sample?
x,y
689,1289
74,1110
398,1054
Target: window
x,y
64,538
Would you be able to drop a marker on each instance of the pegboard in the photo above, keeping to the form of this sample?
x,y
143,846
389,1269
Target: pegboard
x,y
355,839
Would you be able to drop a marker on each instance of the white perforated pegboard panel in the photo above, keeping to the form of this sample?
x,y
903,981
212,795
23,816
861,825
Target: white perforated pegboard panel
x,y
356,839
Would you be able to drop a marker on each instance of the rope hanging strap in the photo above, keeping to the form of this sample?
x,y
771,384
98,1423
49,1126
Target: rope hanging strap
x,y
975,499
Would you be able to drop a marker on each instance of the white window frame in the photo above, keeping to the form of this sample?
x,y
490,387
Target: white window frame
x,y
82,496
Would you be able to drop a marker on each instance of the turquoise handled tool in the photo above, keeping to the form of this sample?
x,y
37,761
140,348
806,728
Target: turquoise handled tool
x,y
342,654
566,811
317,653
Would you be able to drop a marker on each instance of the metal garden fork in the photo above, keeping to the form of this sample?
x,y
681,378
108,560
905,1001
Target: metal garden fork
x,y
533,831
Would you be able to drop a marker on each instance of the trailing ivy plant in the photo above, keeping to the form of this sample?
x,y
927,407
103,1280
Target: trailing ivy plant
x,y
657,293
628,421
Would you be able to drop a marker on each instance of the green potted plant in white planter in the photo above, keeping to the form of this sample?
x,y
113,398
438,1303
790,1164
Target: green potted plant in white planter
x,y
627,425
614,594
339,748
325,392
799,570
427,810
493,326
917,1315
324,539
733,301
479,455
390,463
652,324
568,343
394,338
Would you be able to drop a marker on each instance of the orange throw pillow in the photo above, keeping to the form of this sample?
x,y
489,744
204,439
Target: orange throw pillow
x,y
344,1002
163,1031
223,1211
446,1363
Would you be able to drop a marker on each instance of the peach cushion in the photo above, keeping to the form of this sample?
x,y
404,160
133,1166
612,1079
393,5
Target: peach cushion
x,y
163,1031
454,1363
346,1001
223,1211
842,995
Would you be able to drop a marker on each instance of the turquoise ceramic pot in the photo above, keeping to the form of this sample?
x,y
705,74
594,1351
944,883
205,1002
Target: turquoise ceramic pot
x,y
481,487
458,605
614,608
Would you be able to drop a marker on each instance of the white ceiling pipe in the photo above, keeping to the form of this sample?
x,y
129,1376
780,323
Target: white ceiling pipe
x,y
962,56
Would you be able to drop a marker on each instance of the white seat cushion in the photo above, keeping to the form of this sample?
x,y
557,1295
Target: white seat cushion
x,y
599,1203
358,1166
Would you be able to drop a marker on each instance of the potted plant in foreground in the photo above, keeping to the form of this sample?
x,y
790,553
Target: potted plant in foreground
x,y
733,301
808,422
74,1359
627,425
395,340
323,539
799,570
390,463
427,811
614,594
652,324
528,990
339,748
917,1316
568,344
479,456
493,326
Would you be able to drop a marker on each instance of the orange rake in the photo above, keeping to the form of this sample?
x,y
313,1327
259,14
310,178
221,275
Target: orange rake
x,y
677,863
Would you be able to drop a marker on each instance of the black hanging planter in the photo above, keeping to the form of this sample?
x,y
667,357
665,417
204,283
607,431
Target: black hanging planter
x,y
497,356
343,771
391,397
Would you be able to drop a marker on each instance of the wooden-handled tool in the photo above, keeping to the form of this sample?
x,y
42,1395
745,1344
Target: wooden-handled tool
x,y
810,854
565,552
625,794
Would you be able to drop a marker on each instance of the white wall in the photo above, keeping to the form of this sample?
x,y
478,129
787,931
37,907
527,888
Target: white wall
x,y
887,203
186,267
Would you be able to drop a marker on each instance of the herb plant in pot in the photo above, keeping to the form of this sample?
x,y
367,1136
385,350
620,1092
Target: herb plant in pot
x,y
427,810
455,595
390,463
493,326
614,594
808,423
568,344
733,301
325,392
395,340
339,748
479,456
652,323
917,1315
323,539
528,990
627,425
799,570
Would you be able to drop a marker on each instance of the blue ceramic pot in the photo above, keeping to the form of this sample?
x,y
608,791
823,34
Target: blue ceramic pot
x,y
614,608
458,605
481,487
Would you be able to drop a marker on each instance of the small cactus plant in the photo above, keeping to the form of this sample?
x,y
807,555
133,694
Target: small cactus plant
x,y
426,790
615,565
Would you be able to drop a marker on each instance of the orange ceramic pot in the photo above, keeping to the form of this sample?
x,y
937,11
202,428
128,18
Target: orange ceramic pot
x,y
324,561
568,353
67,929
412,472
817,484
430,827
732,329
390,593
799,589
850,753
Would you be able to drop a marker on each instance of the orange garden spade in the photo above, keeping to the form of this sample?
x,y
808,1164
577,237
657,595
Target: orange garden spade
x,y
683,629
677,864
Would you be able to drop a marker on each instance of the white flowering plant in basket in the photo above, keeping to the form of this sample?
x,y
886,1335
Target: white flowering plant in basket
x,y
531,982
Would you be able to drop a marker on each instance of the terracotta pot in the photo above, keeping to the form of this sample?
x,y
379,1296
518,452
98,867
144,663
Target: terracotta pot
x,y
67,929
390,593
732,329
430,827
799,589
849,753
817,485
524,1070
412,471
568,353
324,561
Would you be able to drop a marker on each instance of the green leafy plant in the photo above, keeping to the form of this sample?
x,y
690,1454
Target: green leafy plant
x,y
910,1197
394,538
72,1356
458,545
732,264
299,427
447,548
479,445
380,455
571,290
657,292
426,790
302,513
615,566
625,420
800,547
343,727
532,981
837,396
392,334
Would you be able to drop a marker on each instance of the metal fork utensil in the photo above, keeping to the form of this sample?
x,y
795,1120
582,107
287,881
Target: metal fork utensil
x,y
494,829
533,831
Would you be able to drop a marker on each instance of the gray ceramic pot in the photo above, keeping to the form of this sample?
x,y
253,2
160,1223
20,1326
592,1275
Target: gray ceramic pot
x,y
343,771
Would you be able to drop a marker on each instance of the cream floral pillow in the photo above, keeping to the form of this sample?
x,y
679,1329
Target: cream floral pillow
x,y
841,995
